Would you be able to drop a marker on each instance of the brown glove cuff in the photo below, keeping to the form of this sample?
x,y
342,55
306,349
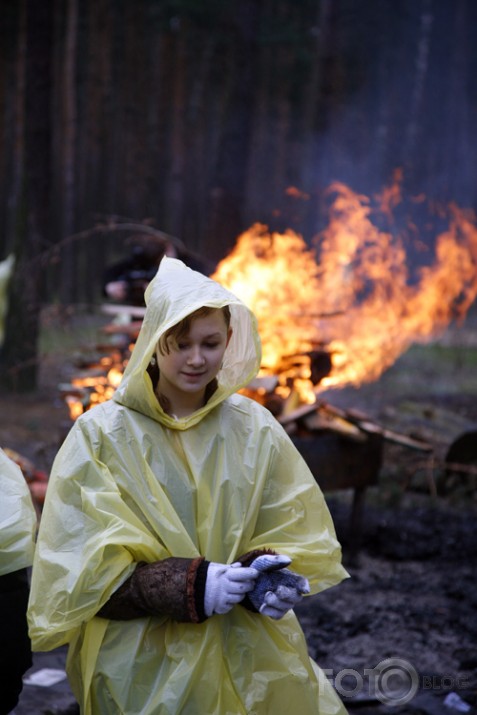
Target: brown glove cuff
x,y
173,587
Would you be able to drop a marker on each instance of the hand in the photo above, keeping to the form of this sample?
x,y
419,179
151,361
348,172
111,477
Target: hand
x,y
277,589
116,290
227,585
283,599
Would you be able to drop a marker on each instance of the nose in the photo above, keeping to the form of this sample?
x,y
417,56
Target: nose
x,y
195,356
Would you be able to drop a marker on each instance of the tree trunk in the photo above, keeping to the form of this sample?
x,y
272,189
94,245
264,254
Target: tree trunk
x,y
230,179
20,350
178,146
69,252
14,128
420,75
94,142
196,178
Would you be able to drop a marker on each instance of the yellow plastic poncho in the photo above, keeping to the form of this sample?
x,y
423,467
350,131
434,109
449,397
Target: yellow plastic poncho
x,y
17,518
132,483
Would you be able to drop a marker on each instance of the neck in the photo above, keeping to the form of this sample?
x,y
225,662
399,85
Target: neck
x,y
179,405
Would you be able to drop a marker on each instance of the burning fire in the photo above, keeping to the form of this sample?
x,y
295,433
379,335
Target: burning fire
x,y
354,294
340,312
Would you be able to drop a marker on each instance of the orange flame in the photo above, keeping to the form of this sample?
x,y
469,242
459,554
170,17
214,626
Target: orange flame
x,y
355,295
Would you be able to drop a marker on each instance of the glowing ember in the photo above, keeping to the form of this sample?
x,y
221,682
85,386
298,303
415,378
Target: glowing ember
x,y
355,294
75,406
115,376
85,392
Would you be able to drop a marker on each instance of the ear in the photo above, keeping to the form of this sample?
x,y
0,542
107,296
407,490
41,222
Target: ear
x,y
229,335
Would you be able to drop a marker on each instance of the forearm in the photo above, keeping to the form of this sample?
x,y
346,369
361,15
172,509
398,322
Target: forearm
x,y
173,587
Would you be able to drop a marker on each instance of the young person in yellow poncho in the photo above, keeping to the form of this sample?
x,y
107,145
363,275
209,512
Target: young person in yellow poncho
x,y
159,503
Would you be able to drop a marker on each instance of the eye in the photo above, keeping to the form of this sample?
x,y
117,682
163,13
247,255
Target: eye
x,y
212,346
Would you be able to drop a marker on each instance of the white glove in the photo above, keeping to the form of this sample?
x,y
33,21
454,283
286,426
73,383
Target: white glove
x,y
227,585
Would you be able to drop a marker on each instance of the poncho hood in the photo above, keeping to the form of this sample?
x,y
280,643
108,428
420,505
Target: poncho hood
x,y
175,292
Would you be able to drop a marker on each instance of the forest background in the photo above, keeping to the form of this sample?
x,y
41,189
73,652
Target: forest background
x,y
199,118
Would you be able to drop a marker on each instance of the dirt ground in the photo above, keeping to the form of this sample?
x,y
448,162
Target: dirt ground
x,y
400,635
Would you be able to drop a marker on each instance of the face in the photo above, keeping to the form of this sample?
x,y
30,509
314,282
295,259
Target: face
x,y
186,370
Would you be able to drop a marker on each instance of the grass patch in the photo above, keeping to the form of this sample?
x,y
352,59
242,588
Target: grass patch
x,y
69,331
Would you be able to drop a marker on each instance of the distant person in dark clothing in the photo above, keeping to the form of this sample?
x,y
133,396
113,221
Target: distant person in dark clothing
x,y
126,281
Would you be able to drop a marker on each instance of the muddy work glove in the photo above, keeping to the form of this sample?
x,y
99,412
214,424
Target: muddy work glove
x,y
277,589
227,585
